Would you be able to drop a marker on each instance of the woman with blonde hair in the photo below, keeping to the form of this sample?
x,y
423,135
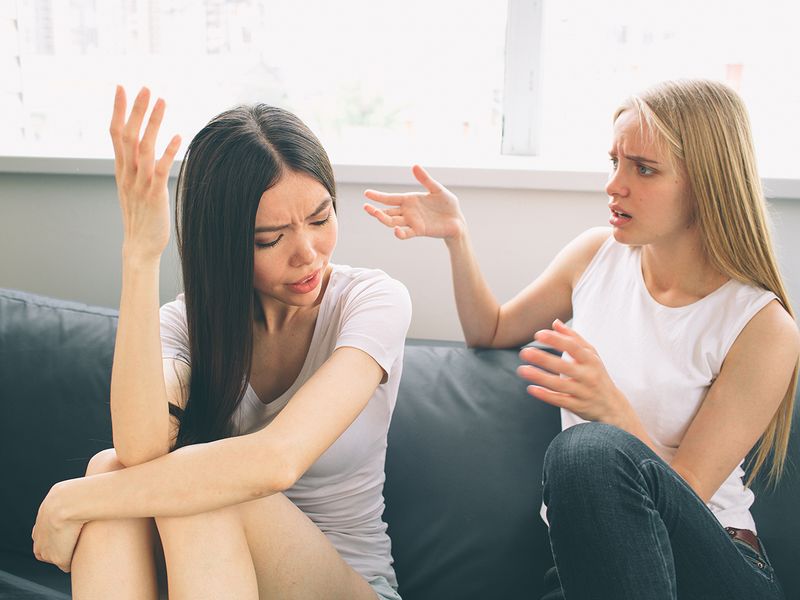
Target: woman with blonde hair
x,y
682,355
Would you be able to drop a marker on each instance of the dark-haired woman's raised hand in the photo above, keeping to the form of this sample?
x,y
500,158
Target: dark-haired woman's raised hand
x,y
141,179
434,213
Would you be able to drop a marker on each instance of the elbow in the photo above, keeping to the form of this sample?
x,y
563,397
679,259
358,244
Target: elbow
x,y
280,468
130,457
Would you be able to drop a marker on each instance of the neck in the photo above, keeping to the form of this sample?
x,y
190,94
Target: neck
x,y
678,271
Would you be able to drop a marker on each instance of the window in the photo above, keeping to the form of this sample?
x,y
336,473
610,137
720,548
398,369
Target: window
x,y
377,81
594,54
389,83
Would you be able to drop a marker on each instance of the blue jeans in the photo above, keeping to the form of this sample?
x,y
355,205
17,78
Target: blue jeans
x,y
625,526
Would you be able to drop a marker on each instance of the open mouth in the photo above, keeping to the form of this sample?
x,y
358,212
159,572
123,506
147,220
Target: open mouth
x,y
306,280
621,214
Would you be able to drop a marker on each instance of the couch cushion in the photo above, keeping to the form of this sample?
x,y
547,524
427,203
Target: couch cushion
x,y
463,476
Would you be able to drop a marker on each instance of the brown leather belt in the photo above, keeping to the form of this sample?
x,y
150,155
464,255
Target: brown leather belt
x,y
747,536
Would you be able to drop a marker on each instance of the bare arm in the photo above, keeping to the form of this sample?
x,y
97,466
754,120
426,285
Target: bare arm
x,y
485,322
139,412
205,477
741,402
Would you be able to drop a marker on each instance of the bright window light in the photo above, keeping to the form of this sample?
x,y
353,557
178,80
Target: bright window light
x,y
379,82
388,83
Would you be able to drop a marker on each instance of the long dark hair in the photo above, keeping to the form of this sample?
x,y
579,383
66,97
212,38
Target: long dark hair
x,y
228,166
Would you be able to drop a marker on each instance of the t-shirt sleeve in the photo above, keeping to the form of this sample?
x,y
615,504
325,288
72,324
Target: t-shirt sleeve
x,y
375,319
174,331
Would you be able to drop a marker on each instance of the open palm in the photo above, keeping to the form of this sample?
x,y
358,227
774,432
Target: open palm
x,y
434,213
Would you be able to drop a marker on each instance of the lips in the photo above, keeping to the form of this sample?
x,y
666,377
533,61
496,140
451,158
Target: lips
x,y
306,284
306,279
619,217
620,213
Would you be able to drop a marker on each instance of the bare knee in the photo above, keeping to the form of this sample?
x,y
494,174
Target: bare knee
x,y
104,461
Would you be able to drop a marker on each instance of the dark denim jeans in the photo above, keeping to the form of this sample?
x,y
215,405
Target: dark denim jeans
x,y
625,526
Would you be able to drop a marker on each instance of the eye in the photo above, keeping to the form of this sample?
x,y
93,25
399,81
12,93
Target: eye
x,y
614,163
269,244
644,170
323,221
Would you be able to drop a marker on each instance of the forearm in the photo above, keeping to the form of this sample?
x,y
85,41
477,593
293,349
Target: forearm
x,y
478,310
139,410
191,480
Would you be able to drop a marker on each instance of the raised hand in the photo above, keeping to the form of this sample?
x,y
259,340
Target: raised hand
x,y
582,386
141,180
433,213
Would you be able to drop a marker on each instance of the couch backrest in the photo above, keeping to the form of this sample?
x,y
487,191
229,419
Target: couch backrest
x,y
55,365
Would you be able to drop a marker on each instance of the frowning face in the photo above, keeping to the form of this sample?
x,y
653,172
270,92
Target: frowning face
x,y
649,195
295,235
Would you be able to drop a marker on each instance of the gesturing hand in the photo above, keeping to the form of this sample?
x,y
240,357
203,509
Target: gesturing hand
x,y
434,213
582,385
141,180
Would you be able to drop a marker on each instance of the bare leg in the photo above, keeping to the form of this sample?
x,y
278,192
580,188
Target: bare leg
x,y
266,548
115,559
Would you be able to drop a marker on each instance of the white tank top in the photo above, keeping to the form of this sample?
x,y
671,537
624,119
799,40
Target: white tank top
x,y
663,359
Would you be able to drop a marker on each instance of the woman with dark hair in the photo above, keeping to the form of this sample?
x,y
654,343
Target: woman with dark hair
x,y
250,431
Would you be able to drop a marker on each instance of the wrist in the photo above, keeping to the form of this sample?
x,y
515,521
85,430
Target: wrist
x,y
625,417
139,259
459,238
63,503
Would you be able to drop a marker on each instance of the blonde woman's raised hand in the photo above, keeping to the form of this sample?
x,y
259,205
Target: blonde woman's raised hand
x,y
141,179
432,213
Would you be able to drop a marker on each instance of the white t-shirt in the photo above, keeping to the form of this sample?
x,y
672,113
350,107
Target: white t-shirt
x,y
342,492
663,359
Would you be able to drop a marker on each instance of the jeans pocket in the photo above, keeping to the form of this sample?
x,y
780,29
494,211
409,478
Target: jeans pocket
x,y
755,559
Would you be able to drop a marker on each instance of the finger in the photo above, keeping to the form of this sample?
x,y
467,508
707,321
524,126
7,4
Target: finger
x,y
428,182
564,343
164,164
560,327
117,123
404,233
148,142
384,198
548,380
130,133
379,215
551,397
549,361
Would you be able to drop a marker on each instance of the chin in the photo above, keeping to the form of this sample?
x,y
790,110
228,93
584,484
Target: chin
x,y
627,238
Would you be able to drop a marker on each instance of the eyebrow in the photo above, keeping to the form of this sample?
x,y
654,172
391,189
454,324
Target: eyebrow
x,y
323,205
638,159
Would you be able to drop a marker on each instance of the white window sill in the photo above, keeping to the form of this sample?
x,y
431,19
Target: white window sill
x,y
522,174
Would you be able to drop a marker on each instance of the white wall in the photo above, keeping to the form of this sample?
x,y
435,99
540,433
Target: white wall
x,y
60,235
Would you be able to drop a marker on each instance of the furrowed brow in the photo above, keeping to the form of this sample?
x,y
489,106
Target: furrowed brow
x,y
322,206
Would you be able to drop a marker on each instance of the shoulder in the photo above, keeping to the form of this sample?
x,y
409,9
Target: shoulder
x,y
576,256
349,283
770,339
174,309
772,326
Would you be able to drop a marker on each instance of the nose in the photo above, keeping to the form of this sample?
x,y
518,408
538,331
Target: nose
x,y
304,252
617,184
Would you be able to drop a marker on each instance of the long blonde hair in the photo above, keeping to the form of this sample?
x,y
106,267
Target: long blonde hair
x,y
705,126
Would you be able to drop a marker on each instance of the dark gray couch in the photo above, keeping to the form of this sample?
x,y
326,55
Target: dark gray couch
x,y
463,468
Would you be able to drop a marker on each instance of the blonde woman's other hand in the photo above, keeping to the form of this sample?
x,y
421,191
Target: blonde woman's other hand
x,y
432,213
141,179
